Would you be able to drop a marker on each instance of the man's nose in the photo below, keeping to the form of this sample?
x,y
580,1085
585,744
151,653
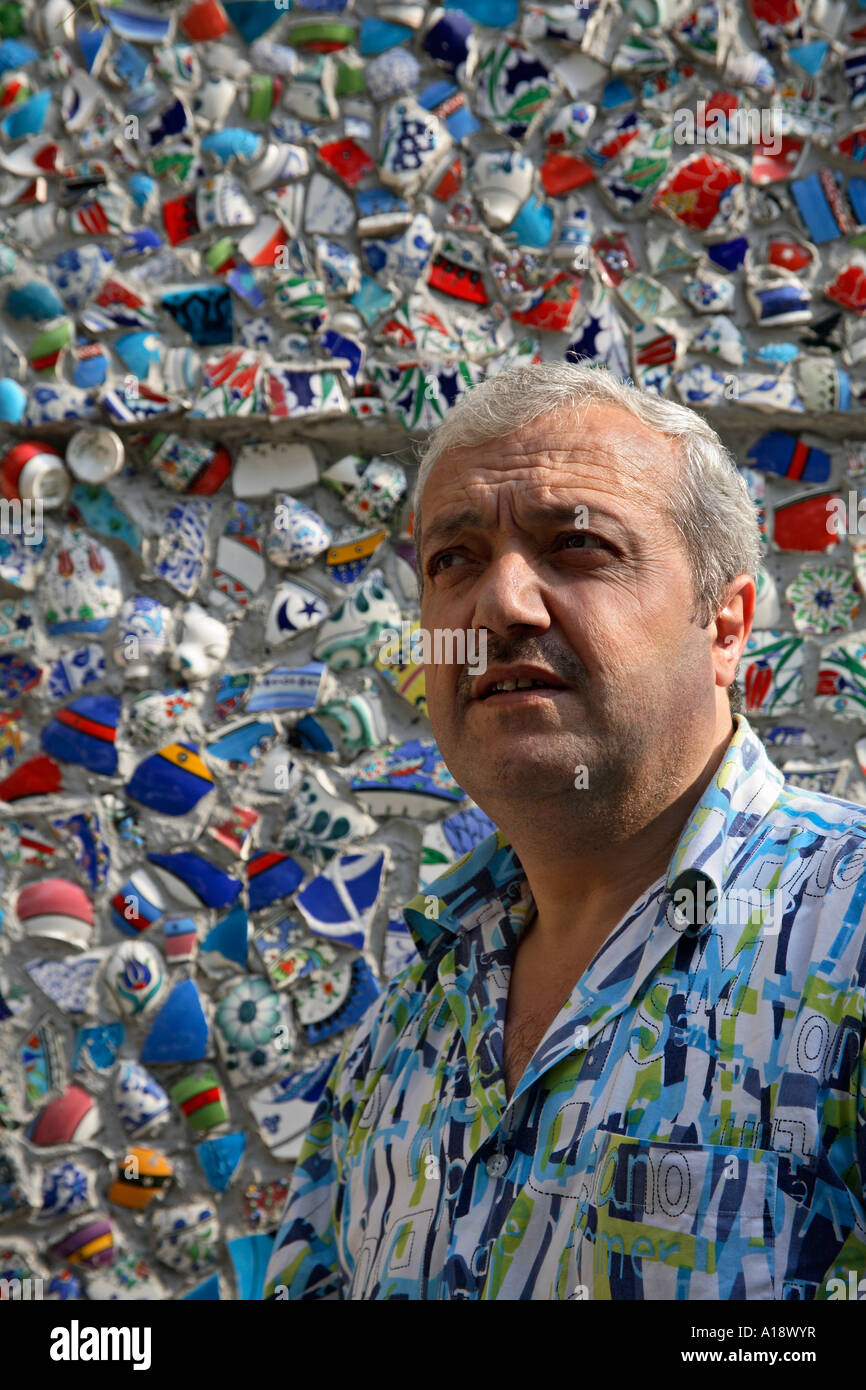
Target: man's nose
x,y
509,595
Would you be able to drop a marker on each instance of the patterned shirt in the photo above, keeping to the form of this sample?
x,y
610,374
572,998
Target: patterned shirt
x,y
691,1125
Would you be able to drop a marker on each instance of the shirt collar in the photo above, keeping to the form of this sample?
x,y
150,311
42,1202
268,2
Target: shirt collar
x,y
490,879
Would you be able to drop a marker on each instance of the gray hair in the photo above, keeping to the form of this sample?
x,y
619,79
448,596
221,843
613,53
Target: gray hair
x,y
711,507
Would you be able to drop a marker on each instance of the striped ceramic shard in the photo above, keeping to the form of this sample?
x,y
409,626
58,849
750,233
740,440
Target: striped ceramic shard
x,y
272,875
172,780
55,909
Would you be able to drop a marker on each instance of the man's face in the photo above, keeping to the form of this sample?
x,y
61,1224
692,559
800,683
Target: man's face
x,y
556,540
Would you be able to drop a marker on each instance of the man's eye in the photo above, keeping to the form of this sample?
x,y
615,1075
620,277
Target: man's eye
x,y
582,540
444,561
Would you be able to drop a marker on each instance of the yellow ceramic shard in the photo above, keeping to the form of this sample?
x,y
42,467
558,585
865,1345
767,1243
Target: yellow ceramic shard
x,y
407,678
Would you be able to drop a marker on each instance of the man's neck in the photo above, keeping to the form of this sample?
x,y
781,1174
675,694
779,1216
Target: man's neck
x,y
583,887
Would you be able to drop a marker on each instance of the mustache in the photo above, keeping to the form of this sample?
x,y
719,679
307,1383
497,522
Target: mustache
x,y
560,660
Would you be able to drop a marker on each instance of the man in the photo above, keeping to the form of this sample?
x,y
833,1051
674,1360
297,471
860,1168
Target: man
x,y
628,1061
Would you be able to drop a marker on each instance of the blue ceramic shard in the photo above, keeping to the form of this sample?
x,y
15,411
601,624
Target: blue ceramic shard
x,y
252,18
231,141
230,938
460,121
243,744
378,35
209,1290
729,255
250,1256
272,875
136,25
533,225
809,56
495,14
84,733
313,736
139,241
139,351
27,117
180,1032
616,93
287,687
67,982
204,312
220,1158
191,877
140,187
173,780
814,208
130,67
93,43
409,780
13,401
339,903
97,1047
33,300
374,201
14,53
466,829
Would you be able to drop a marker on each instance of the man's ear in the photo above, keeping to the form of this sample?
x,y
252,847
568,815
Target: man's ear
x,y
731,628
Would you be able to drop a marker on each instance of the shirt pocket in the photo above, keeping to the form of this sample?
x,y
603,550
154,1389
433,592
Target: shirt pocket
x,y
677,1221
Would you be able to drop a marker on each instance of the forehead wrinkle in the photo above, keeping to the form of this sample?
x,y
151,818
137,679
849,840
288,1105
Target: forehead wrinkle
x,y
625,445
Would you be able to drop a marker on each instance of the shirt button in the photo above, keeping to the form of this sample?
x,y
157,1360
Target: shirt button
x,y
497,1165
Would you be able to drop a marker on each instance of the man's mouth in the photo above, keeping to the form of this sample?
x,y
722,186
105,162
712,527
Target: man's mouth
x,y
522,683
505,687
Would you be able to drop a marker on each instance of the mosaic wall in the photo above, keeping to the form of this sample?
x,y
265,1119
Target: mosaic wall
x,y
251,251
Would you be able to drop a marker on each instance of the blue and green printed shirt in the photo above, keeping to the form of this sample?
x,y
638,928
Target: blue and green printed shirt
x,y
691,1126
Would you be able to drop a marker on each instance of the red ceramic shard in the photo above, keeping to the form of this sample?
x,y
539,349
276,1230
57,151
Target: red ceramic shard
x,y
555,310
204,20
349,161
693,192
853,145
790,255
720,103
449,183
458,281
849,288
115,292
615,256
770,165
803,522
180,219
35,777
561,172
68,1118
660,351
213,475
